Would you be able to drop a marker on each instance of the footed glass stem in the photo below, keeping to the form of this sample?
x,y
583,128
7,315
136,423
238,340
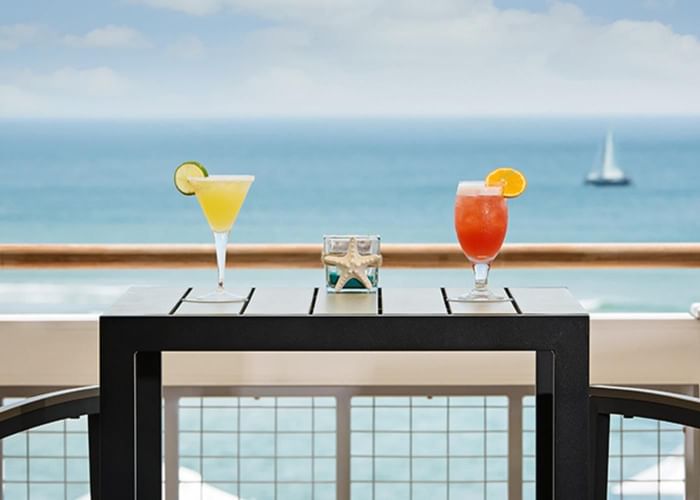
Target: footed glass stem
x,y
220,294
480,292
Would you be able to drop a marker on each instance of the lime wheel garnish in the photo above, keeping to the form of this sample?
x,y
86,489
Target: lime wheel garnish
x,y
185,172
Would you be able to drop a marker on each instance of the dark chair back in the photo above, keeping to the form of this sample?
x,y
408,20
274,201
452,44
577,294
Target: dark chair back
x,y
606,400
54,406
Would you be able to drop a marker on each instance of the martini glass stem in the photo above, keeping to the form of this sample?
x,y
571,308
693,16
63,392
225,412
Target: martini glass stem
x,y
481,276
221,242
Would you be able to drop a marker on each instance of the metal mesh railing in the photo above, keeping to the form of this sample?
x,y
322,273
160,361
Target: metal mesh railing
x,y
429,447
269,447
49,462
359,443
647,459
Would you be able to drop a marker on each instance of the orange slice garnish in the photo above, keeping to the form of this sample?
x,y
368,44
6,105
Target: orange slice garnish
x,y
513,181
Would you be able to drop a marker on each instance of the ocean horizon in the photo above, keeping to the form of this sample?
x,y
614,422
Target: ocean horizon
x,y
110,181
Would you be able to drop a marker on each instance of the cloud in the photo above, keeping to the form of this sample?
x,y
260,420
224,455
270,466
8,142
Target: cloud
x,y
109,37
188,47
99,82
465,57
274,9
194,7
13,36
16,101
66,92
443,57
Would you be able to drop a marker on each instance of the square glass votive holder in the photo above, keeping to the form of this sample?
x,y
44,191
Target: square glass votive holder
x,y
339,246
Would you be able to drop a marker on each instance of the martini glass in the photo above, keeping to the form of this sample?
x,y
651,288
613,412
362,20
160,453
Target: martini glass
x,y
221,198
481,220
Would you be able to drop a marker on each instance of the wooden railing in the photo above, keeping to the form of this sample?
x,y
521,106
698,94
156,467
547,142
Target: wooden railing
x,y
521,255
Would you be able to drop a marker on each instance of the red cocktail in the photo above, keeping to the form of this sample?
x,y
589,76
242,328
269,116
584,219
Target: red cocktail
x,y
481,220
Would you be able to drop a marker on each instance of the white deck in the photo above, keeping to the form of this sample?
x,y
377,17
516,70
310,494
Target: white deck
x,y
61,350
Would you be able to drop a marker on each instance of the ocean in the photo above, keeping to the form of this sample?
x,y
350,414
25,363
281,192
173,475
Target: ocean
x,y
111,182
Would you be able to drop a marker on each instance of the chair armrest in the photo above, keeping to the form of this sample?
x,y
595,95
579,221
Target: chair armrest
x,y
46,408
646,403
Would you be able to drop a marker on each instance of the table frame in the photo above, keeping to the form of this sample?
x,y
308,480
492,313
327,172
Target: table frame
x,y
130,377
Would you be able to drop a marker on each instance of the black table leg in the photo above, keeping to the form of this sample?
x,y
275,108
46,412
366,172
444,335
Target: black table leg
x,y
116,420
544,426
571,415
148,425
599,453
94,455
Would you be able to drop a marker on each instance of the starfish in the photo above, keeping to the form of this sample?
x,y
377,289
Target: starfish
x,y
353,265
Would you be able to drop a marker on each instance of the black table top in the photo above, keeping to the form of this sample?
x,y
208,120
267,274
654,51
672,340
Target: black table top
x,y
308,301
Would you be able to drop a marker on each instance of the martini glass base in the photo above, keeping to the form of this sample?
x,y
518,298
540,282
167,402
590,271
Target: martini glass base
x,y
480,296
217,297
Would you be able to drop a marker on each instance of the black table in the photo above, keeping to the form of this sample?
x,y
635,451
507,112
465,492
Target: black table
x,y
147,321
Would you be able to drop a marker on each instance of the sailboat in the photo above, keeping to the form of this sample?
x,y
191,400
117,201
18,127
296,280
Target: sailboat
x,y
608,174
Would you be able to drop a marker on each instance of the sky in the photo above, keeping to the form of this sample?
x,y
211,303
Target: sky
x,y
239,58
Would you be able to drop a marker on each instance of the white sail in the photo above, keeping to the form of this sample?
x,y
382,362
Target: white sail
x,y
610,170
607,171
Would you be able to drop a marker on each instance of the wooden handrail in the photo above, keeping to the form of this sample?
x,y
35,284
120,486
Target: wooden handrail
x,y
298,256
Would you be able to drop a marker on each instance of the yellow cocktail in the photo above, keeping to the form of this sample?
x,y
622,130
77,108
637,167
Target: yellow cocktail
x,y
221,198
